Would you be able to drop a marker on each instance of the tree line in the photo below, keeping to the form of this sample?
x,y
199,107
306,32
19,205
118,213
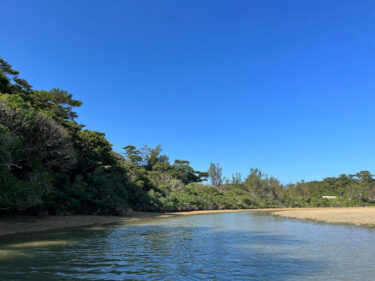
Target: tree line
x,y
50,163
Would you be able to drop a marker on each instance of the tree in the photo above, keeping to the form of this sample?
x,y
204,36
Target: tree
x,y
215,173
236,178
364,176
94,150
153,155
8,146
182,170
262,185
43,139
9,81
133,155
58,103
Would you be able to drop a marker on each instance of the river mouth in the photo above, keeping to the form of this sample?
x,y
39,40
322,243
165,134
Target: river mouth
x,y
224,246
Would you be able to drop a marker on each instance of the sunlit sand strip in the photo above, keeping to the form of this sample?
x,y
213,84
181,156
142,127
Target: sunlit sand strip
x,y
32,224
40,244
355,215
10,254
12,251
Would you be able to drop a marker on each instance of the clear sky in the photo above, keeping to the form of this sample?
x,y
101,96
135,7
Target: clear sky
x,y
285,86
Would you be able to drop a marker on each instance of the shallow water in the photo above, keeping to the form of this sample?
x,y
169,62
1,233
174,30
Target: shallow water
x,y
228,246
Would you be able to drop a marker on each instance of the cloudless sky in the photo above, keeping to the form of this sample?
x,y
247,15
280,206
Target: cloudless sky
x,y
285,86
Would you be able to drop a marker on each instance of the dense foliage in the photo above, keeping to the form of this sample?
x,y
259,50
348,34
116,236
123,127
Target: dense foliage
x,y
50,163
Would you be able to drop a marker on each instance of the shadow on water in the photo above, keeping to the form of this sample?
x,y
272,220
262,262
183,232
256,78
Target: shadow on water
x,y
155,252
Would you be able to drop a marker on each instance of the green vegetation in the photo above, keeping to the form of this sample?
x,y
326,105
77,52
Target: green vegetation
x,y
50,163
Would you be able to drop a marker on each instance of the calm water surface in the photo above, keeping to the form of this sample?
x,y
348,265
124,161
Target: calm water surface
x,y
231,246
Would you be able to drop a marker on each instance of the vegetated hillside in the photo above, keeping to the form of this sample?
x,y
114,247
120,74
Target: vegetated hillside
x,y
50,163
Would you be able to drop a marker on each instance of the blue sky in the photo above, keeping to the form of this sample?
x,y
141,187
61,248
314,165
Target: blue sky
x,y
285,86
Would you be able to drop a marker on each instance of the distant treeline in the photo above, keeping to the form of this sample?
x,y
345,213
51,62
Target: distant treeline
x,y
50,163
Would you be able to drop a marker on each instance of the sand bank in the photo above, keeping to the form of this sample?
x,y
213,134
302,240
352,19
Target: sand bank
x,y
355,215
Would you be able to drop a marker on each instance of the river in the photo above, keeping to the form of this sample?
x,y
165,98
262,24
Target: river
x,y
226,246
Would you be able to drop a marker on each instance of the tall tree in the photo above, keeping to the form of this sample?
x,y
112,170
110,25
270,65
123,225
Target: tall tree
x,y
9,81
133,154
215,173
153,156
236,178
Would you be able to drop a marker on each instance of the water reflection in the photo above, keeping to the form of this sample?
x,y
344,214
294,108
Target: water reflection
x,y
215,247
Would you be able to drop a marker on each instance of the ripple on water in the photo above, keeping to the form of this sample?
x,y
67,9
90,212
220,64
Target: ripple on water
x,y
220,247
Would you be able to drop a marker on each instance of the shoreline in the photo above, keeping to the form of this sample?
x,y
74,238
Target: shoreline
x,y
26,224
359,216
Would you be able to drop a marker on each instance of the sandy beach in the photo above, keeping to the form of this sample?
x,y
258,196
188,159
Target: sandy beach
x,y
355,215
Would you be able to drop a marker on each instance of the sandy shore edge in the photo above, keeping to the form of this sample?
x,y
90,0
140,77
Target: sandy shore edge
x,y
25,224
364,216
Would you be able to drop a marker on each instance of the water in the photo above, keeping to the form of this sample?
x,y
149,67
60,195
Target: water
x,y
230,246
